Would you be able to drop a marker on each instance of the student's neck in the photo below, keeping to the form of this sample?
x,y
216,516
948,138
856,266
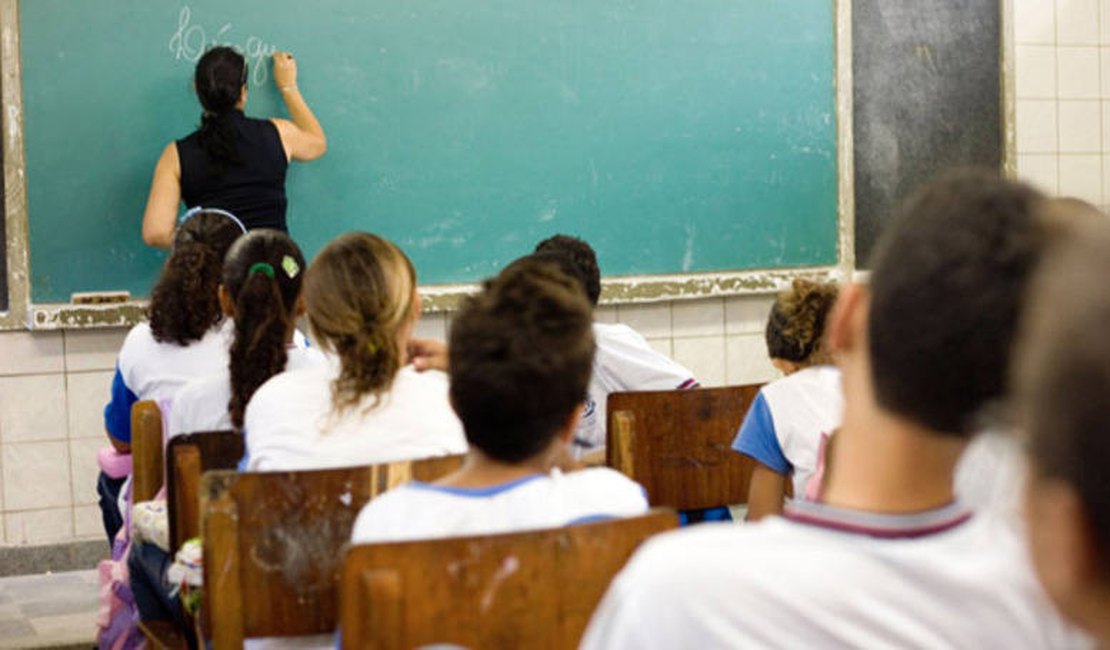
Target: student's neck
x,y
884,463
479,470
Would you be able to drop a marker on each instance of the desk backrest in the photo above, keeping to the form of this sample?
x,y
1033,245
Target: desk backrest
x,y
146,450
273,544
678,444
534,589
187,457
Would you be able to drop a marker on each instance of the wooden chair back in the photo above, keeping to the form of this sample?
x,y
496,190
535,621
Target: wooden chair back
x,y
534,589
146,450
187,457
678,444
273,544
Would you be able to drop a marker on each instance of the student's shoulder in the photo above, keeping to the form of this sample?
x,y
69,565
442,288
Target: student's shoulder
x,y
815,378
384,516
607,484
618,335
296,385
427,381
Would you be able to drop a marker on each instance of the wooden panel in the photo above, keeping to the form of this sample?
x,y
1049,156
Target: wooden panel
x,y
533,589
678,444
273,544
187,457
146,450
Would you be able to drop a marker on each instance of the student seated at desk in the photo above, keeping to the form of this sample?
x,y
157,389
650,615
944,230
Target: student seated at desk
x,y
791,417
624,360
361,299
261,294
186,337
520,359
888,558
1063,379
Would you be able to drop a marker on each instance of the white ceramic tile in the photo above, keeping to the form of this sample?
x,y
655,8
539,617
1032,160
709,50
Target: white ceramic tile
x,y
1078,73
1104,19
698,317
704,356
748,362
39,526
1104,71
1080,127
747,314
1081,177
1036,126
431,326
606,314
1105,184
662,346
1034,21
36,475
87,393
26,353
1035,71
652,320
1039,170
87,523
93,349
32,407
1077,22
84,469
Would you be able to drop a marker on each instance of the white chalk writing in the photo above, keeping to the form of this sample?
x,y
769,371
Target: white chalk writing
x,y
190,40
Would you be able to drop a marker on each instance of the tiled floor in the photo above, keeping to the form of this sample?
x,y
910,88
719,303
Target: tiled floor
x,y
54,610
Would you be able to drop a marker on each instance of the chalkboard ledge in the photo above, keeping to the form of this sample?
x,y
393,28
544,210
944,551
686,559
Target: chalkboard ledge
x,y
446,298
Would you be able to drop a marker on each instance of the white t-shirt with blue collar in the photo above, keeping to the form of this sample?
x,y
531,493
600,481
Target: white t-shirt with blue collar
x,y
152,370
418,510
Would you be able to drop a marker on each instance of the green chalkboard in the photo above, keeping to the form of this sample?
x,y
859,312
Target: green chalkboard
x,y
675,136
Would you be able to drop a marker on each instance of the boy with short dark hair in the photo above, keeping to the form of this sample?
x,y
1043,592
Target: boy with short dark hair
x,y
1063,379
624,360
887,557
520,357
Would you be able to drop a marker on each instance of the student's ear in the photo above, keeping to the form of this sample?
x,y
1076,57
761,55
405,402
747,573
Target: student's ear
x,y
227,305
848,319
566,434
1062,545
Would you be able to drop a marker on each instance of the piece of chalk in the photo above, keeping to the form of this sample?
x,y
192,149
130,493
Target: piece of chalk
x,y
99,297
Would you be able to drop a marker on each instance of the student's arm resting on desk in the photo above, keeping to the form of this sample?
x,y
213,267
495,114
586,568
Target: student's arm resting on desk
x,y
160,216
427,354
757,439
302,137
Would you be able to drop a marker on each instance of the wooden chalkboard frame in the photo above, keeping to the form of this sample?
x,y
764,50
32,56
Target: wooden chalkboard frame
x,y
22,314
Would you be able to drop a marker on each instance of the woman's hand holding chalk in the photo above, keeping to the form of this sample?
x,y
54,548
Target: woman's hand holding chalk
x,y
285,71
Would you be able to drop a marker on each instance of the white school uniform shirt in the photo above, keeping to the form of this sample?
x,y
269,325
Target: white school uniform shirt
x,y
991,475
822,577
151,370
201,405
290,423
623,362
782,430
418,510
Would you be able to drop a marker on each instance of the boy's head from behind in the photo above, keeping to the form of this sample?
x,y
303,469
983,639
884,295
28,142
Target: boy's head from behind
x,y
947,284
582,255
521,353
1062,383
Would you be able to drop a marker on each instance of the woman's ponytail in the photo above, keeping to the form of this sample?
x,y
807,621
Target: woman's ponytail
x,y
220,76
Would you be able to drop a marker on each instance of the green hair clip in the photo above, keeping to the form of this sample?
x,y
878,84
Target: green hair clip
x,y
290,266
263,268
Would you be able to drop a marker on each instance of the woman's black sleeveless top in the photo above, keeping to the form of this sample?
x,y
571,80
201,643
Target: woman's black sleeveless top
x,y
254,191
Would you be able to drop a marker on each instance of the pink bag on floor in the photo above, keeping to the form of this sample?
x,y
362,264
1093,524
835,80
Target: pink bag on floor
x,y
117,619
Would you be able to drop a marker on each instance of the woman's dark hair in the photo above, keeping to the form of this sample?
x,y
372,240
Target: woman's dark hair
x,y
185,304
219,79
262,275
521,354
359,294
796,326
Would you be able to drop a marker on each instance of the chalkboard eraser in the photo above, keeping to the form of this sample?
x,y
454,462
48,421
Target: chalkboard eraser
x,y
99,297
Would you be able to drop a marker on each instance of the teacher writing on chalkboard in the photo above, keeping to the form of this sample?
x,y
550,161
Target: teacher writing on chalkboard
x,y
233,162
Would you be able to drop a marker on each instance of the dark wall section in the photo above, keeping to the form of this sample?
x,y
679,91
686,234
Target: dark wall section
x,y
927,96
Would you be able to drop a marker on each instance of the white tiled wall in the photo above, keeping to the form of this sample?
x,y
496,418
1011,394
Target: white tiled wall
x,y
54,385
1062,61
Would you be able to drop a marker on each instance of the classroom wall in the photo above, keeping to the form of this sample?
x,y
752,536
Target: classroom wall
x,y
1062,58
53,385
